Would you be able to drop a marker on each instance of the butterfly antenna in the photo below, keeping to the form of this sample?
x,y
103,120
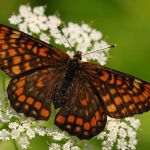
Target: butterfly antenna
x,y
65,38
110,46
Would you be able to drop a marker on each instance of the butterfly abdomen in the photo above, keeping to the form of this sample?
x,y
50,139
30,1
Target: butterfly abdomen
x,y
63,89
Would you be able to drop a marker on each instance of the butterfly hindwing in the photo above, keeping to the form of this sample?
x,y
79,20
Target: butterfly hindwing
x,y
21,53
32,94
83,115
123,95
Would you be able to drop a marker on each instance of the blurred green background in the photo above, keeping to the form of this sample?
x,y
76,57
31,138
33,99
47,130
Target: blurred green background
x,y
124,22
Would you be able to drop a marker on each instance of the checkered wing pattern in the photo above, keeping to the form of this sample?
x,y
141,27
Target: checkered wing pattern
x,y
32,94
83,115
122,95
21,53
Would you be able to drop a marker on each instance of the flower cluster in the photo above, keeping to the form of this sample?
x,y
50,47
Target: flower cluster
x,y
119,133
81,37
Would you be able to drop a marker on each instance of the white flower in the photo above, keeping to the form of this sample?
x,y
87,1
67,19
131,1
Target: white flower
x,y
53,22
15,134
75,148
13,125
31,133
25,11
15,19
38,10
67,145
58,136
40,131
44,37
23,142
54,146
95,35
4,134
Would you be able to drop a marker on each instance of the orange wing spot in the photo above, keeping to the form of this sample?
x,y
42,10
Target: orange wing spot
x,y
136,99
124,111
2,41
79,121
12,52
60,119
16,59
14,36
5,63
30,100
93,122
19,91
4,46
86,126
84,102
135,90
44,112
40,84
131,92
22,98
118,100
113,91
124,85
142,98
26,106
2,36
3,28
34,49
111,108
20,50
147,85
131,107
112,80
97,116
119,80
126,98
68,126
38,105
29,45
102,86
71,118
22,45
20,83
78,129
16,69
106,98
3,54
121,91
105,76
145,94
27,57
12,40
137,85
27,66
42,51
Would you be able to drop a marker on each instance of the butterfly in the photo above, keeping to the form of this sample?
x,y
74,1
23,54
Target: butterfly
x,y
85,93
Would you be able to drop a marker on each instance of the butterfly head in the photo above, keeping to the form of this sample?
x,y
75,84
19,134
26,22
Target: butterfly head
x,y
78,55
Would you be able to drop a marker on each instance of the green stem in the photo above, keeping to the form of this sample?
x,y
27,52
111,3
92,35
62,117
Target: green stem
x,y
15,145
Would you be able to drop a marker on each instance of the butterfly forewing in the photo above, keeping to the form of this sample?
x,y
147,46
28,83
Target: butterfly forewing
x,y
122,95
20,53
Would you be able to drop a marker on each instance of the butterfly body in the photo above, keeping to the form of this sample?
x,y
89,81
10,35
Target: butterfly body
x,y
86,93
72,69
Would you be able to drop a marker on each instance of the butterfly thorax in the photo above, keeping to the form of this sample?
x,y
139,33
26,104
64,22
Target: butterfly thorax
x,y
63,89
